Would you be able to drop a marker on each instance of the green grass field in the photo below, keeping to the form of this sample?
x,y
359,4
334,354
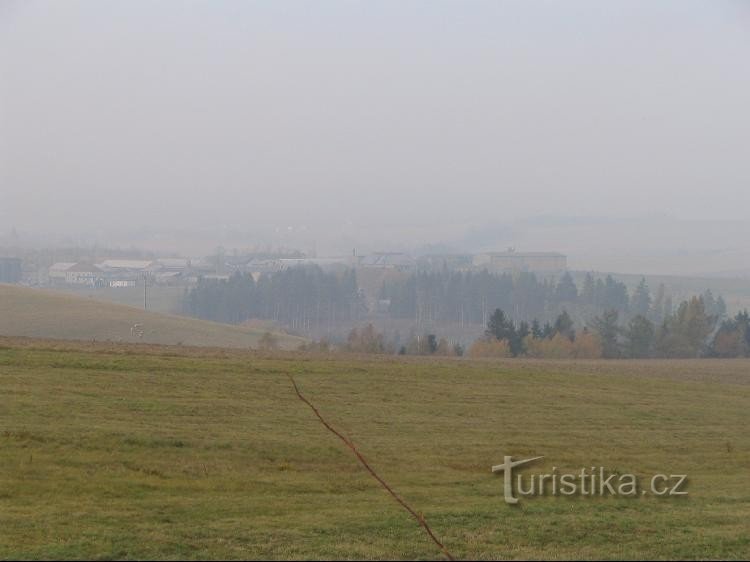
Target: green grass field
x,y
49,314
122,451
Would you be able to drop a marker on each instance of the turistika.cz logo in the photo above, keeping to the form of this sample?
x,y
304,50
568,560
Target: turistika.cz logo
x,y
590,481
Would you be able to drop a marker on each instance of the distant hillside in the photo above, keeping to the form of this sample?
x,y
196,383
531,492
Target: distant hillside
x,y
48,314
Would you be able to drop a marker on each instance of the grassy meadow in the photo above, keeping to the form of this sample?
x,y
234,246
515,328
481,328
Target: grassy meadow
x,y
138,451
164,299
40,313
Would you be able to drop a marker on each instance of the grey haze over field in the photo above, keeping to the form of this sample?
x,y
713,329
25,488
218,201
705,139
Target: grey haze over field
x,y
616,132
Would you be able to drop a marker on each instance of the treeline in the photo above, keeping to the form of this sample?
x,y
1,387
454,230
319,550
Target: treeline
x,y
300,297
503,338
690,331
559,340
615,323
733,337
370,340
470,297
465,297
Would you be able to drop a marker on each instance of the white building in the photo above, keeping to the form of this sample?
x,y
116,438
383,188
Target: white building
x,y
74,273
138,266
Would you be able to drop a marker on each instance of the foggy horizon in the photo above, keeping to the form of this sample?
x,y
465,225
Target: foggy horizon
x,y
180,126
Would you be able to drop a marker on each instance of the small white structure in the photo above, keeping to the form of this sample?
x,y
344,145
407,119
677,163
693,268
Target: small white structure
x,y
74,273
179,265
122,283
128,265
57,272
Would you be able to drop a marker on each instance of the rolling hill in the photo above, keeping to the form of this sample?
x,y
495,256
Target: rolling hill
x,y
47,314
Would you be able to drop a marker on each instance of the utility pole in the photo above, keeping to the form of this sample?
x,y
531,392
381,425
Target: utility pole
x,y
145,286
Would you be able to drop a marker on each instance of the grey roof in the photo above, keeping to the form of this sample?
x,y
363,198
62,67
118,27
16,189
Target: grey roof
x,y
62,266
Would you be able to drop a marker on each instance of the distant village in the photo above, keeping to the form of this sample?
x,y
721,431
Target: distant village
x,y
508,303
176,271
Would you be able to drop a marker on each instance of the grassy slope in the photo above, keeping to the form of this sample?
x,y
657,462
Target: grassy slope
x,y
123,452
164,299
48,314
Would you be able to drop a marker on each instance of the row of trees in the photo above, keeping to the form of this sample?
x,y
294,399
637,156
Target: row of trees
x,y
465,297
370,340
299,297
690,331
470,297
506,338
733,337
615,323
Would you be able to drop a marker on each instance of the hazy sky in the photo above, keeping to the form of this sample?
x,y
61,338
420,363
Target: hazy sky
x,y
132,114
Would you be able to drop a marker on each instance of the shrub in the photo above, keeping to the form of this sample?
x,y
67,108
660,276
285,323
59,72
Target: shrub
x,y
490,347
